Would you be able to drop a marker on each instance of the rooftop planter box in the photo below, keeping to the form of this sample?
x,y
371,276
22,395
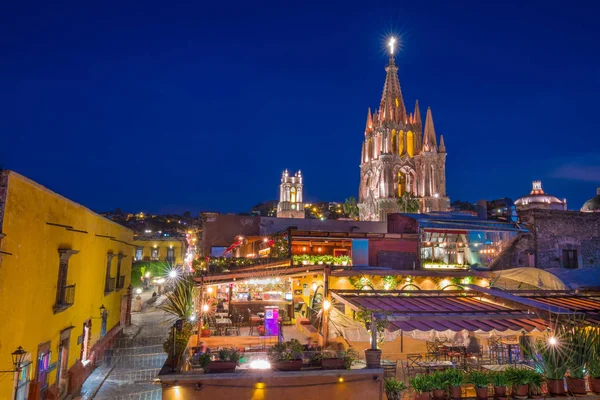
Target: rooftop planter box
x,y
286,356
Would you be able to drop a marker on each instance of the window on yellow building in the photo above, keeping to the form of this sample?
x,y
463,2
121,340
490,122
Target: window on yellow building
x,y
171,254
154,254
65,294
139,254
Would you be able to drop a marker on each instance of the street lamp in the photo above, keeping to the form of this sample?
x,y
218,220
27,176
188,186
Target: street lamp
x,y
102,311
17,358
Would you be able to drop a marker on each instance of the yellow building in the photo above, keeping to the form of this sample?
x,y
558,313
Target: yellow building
x,y
64,274
167,249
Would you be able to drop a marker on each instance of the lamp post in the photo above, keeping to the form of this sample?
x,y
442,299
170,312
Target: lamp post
x,y
103,316
18,356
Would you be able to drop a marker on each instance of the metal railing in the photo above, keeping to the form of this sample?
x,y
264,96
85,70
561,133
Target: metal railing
x,y
110,285
121,282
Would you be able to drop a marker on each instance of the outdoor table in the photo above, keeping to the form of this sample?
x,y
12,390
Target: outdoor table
x,y
429,365
222,323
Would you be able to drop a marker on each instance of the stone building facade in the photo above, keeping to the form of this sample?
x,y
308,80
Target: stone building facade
x,y
556,239
290,196
399,157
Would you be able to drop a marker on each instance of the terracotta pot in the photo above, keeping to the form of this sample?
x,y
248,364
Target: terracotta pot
x,y
293,365
205,333
439,394
332,363
422,396
215,367
520,390
456,392
373,358
576,385
594,384
556,387
500,391
481,393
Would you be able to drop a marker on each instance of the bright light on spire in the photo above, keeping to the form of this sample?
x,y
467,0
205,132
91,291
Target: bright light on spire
x,y
392,45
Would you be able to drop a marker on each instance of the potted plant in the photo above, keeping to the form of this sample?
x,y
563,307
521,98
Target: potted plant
x,y
480,380
535,382
439,384
519,380
580,342
455,379
227,360
350,355
286,356
594,362
332,360
393,388
422,387
548,357
500,381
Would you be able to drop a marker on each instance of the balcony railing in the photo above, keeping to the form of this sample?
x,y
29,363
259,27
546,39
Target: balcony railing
x,y
110,285
66,298
121,282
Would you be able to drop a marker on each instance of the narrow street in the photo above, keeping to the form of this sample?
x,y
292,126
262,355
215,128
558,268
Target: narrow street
x,y
127,371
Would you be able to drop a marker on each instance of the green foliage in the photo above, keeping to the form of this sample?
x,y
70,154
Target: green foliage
x,y
594,363
181,340
408,203
438,380
350,207
478,378
517,376
535,382
499,379
360,282
349,356
201,360
391,282
139,269
279,249
580,342
229,354
393,388
551,360
455,377
324,259
285,351
180,302
420,383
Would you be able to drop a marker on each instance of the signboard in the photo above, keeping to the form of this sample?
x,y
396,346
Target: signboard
x,y
271,321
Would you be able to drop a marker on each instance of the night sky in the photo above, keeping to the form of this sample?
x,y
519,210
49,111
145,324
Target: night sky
x,y
169,106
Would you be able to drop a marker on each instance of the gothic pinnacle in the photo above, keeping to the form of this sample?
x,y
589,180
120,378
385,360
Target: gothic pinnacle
x,y
442,145
369,126
429,139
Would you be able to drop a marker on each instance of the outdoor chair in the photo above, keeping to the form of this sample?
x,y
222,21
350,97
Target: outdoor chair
x,y
406,371
389,369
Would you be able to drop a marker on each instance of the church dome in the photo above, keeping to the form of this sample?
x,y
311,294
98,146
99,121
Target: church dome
x,y
593,204
538,199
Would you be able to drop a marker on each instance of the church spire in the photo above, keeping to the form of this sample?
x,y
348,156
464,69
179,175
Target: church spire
x,y
369,126
392,103
418,119
442,145
429,140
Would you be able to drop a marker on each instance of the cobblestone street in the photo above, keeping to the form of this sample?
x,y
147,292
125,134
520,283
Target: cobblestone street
x,y
127,371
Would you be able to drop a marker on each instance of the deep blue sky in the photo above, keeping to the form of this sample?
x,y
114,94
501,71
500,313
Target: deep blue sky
x,y
169,106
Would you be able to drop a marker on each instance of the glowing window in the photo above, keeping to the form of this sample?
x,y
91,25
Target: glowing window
x,y
410,144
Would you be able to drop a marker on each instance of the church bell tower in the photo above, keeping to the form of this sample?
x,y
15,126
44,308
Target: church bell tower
x,y
290,196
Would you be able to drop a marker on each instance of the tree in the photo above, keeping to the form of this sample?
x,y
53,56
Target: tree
x,y
187,214
350,207
409,204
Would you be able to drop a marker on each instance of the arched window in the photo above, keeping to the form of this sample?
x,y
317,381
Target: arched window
x,y
410,144
401,183
394,138
400,143
293,194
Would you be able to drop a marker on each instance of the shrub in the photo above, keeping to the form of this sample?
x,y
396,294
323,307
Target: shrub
x,y
420,383
393,388
438,381
499,379
454,377
479,379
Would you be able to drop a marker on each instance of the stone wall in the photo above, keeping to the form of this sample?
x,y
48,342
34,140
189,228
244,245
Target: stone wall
x,y
551,232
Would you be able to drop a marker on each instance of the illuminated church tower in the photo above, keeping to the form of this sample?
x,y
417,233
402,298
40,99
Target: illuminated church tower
x,y
290,196
399,156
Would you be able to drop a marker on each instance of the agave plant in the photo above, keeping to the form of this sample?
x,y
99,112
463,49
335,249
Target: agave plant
x,y
580,341
420,383
454,377
594,363
499,379
479,379
548,356
180,302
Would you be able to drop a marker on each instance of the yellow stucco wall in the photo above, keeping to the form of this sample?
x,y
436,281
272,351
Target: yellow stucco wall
x,y
163,245
29,276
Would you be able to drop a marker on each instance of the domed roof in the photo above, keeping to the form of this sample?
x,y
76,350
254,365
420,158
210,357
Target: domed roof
x,y
593,204
538,199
